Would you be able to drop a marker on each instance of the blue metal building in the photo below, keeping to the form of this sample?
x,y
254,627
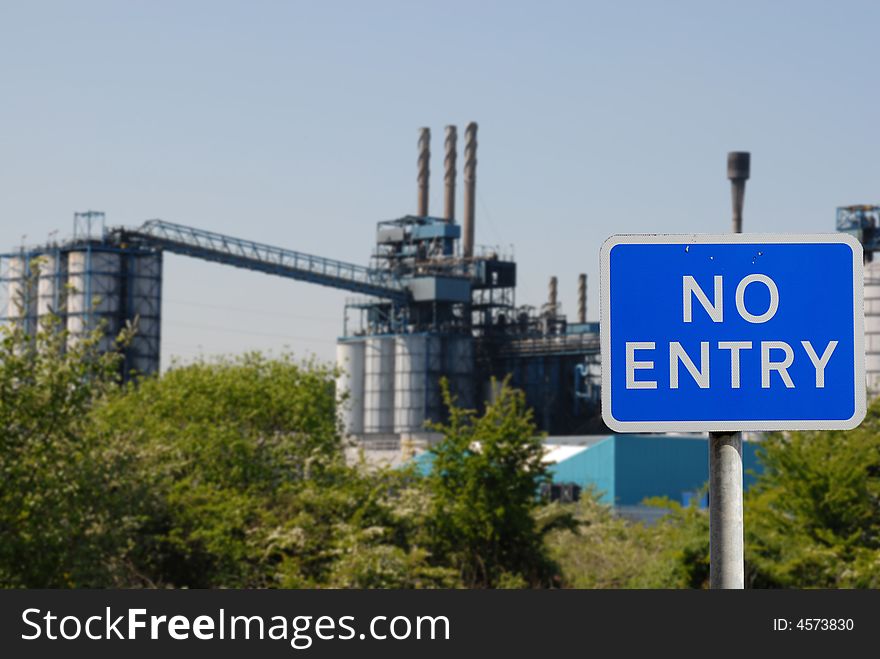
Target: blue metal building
x,y
627,469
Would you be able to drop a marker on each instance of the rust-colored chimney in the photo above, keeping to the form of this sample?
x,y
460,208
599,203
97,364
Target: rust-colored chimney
x,y
424,174
470,188
582,298
449,175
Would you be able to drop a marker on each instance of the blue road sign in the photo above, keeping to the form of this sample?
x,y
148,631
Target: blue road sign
x,y
732,332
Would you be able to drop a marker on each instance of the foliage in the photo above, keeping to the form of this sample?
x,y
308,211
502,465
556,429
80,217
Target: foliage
x,y
63,495
813,518
609,551
249,485
233,473
485,476
679,544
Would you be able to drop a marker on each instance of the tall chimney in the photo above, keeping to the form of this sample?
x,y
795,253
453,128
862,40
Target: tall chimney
x,y
424,174
582,298
738,164
552,297
470,185
451,156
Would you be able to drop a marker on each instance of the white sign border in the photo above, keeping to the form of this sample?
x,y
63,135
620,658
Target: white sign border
x,y
735,238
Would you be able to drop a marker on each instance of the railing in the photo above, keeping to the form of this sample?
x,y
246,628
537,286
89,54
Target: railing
x,y
558,344
248,254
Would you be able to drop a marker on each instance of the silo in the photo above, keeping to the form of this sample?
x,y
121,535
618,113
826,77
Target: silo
x,y
458,365
94,280
20,302
417,370
872,327
350,360
379,385
144,287
48,286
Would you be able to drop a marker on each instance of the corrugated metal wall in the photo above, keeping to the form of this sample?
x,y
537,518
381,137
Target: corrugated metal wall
x,y
627,469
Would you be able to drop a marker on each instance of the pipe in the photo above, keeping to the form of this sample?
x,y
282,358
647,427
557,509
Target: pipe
x,y
582,298
451,157
424,163
470,186
738,165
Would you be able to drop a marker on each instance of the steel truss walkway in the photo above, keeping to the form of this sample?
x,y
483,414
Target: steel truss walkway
x,y
248,254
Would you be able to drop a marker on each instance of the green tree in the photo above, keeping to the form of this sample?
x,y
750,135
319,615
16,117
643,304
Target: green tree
x,y
484,482
679,548
64,499
249,486
813,516
609,551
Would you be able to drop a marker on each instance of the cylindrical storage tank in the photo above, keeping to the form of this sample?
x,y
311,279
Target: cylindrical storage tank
x,y
417,372
379,385
350,361
872,327
145,297
48,286
19,300
94,294
458,364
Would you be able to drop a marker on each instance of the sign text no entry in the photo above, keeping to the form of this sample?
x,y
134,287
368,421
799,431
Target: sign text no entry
x,y
732,332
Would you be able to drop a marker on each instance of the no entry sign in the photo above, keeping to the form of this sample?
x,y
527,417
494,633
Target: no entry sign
x,y
732,332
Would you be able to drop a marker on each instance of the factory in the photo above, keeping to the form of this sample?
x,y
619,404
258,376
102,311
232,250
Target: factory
x,y
431,304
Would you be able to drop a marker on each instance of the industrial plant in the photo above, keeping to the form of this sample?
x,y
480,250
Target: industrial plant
x,y
430,305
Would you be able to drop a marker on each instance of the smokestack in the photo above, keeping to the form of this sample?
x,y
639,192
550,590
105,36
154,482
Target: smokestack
x,y
552,295
470,186
738,165
424,174
451,156
582,298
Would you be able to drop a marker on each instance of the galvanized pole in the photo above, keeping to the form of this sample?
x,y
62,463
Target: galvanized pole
x,y
725,450
725,510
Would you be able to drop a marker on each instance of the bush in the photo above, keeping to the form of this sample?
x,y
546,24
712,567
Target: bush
x,y
485,476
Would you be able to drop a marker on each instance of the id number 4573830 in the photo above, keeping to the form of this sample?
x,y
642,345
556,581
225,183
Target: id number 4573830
x,y
813,624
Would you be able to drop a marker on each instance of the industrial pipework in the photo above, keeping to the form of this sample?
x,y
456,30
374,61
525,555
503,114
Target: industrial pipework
x,y
738,172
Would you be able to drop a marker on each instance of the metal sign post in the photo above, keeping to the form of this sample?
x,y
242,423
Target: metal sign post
x,y
726,562
732,332
726,510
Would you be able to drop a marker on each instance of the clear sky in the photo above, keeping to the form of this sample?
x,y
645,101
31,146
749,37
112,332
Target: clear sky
x,y
295,123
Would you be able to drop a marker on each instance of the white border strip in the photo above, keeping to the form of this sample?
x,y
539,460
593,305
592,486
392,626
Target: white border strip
x,y
739,238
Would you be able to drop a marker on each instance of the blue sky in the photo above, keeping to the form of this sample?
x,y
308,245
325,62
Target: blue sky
x,y
295,123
